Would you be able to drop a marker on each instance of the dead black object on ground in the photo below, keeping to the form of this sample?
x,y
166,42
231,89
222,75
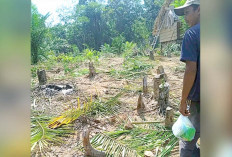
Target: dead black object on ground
x,y
52,89
59,87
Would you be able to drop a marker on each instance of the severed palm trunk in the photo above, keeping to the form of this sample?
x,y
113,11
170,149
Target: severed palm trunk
x,y
89,150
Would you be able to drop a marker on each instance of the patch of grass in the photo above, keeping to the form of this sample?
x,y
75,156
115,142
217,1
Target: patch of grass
x,y
67,69
33,71
171,48
180,68
81,72
132,68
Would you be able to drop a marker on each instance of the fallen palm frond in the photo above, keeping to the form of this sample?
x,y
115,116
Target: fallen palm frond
x,y
109,107
168,148
68,117
112,147
138,139
89,108
43,137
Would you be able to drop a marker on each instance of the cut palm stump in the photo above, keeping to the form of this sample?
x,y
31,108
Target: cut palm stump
x,y
140,106
169,118
42,77
128,126
157,82
89,150
161,73
151,56
145,88
160,70
160,78
92,70
163,100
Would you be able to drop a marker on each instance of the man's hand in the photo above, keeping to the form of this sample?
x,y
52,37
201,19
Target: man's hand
x,y
189,77
183,108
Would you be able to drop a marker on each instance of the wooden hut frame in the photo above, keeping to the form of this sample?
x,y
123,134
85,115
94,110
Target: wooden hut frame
x,y
170,33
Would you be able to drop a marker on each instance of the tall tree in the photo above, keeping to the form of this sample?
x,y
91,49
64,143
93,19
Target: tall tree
x,y
91,23
38,30
125,12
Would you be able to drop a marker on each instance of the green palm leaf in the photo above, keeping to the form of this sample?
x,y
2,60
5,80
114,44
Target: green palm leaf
x,y
136,141
112,147
43,137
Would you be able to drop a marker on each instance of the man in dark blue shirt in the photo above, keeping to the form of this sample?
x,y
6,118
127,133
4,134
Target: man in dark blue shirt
x,y
190,54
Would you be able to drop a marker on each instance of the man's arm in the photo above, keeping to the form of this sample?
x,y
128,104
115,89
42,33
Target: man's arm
x,y
189,78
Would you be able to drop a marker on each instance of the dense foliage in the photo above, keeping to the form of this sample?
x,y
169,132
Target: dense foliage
x,y
96,25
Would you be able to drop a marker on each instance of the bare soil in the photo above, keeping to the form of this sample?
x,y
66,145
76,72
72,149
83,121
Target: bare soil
x,y
105,86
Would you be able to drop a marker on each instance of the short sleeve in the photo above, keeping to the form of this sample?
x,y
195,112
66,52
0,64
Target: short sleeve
x,y
189,47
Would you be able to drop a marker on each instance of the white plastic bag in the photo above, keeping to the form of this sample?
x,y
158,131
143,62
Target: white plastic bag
x,y
183,129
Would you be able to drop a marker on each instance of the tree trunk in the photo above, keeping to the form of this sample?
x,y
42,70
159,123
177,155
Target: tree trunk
x,y
89,150
42,77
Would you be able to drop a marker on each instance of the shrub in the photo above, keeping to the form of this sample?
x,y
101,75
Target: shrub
x,y
117,44
129,49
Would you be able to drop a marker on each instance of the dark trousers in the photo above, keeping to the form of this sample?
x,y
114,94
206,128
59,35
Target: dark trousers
x,y
188,148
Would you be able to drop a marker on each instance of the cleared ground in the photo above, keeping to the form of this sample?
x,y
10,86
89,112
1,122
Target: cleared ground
x,y
108,82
